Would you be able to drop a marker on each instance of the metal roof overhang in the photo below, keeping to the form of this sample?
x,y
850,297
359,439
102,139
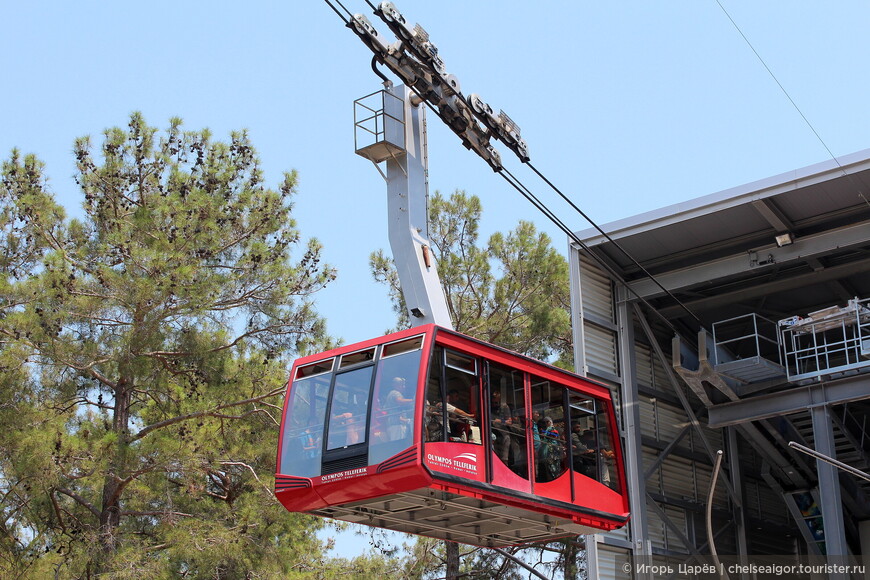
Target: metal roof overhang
x,y
718,259
718,254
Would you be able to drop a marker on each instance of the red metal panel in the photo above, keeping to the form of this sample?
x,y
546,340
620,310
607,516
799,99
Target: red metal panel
x,y
502,476
402,472
559,489
458,459
354,485
599,497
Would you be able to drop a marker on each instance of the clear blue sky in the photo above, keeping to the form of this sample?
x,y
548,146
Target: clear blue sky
x,y
626,105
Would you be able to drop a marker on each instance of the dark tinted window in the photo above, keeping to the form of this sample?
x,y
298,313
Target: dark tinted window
x,y
549,429
453,398
508,418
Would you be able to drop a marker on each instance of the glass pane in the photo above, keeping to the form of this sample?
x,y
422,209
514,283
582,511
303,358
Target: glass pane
x,y
583,459
591,451
453,401
356,358
461,362
392,426
317,368
395,348
601,441
435,425
549,430
508,418
303,427
350,401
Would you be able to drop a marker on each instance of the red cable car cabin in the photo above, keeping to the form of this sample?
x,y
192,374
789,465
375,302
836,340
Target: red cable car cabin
x,y
429,432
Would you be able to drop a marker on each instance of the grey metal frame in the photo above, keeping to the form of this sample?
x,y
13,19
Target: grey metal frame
x,y
400,140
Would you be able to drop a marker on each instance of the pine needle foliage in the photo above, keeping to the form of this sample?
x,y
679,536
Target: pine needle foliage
x,y
143,355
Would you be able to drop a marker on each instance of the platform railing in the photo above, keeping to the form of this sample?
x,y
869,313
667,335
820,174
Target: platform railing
x,y
831,341
744,337
379,126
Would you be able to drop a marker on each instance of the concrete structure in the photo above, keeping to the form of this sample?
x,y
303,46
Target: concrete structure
x,y
754,333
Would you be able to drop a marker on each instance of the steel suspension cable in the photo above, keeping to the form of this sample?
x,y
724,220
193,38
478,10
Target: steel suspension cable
x,y
616,244
344,19
540,206
793,103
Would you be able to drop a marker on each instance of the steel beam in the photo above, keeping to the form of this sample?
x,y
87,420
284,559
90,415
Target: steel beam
x,y
407,208
633,441
793,400
703,274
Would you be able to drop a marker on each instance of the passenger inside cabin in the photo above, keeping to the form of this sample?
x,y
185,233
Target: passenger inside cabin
x,y
345,425
501,420
601,457
398,408
310,443
551,455
582,457
460,421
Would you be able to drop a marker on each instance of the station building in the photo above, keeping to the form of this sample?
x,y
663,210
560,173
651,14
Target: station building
x,y
740,322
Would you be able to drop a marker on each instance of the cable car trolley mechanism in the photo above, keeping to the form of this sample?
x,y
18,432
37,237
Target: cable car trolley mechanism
x,y
428,431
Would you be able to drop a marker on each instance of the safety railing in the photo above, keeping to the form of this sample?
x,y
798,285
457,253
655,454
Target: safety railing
x,y
826,342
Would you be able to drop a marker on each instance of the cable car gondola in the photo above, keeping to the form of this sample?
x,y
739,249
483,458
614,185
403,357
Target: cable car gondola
x,y
431,432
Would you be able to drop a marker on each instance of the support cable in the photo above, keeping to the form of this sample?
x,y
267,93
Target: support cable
x,y
387,81
616,244
549,214
710,537
794,104
344,19
540,206
822,457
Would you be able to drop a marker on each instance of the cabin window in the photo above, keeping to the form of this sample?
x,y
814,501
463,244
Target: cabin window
x,y
349,409
402,346
313,369
591,450
303,427
392,425
508,418
549,429
355,358
452,398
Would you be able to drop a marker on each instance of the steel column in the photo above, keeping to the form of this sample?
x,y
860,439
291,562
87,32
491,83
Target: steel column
x,y
737,486
829,486
633,444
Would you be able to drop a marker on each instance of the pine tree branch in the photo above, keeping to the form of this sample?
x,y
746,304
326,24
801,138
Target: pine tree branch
x,y
212,413
157,513
254,473
80,500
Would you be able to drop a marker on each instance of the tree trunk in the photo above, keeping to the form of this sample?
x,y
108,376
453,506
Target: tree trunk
x,y
451,550
572,550
110,509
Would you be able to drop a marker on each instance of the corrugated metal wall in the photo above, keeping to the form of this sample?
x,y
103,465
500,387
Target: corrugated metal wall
x,y
599,325
682,480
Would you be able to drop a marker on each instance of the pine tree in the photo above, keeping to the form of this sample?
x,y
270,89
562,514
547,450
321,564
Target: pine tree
x,y
143,355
